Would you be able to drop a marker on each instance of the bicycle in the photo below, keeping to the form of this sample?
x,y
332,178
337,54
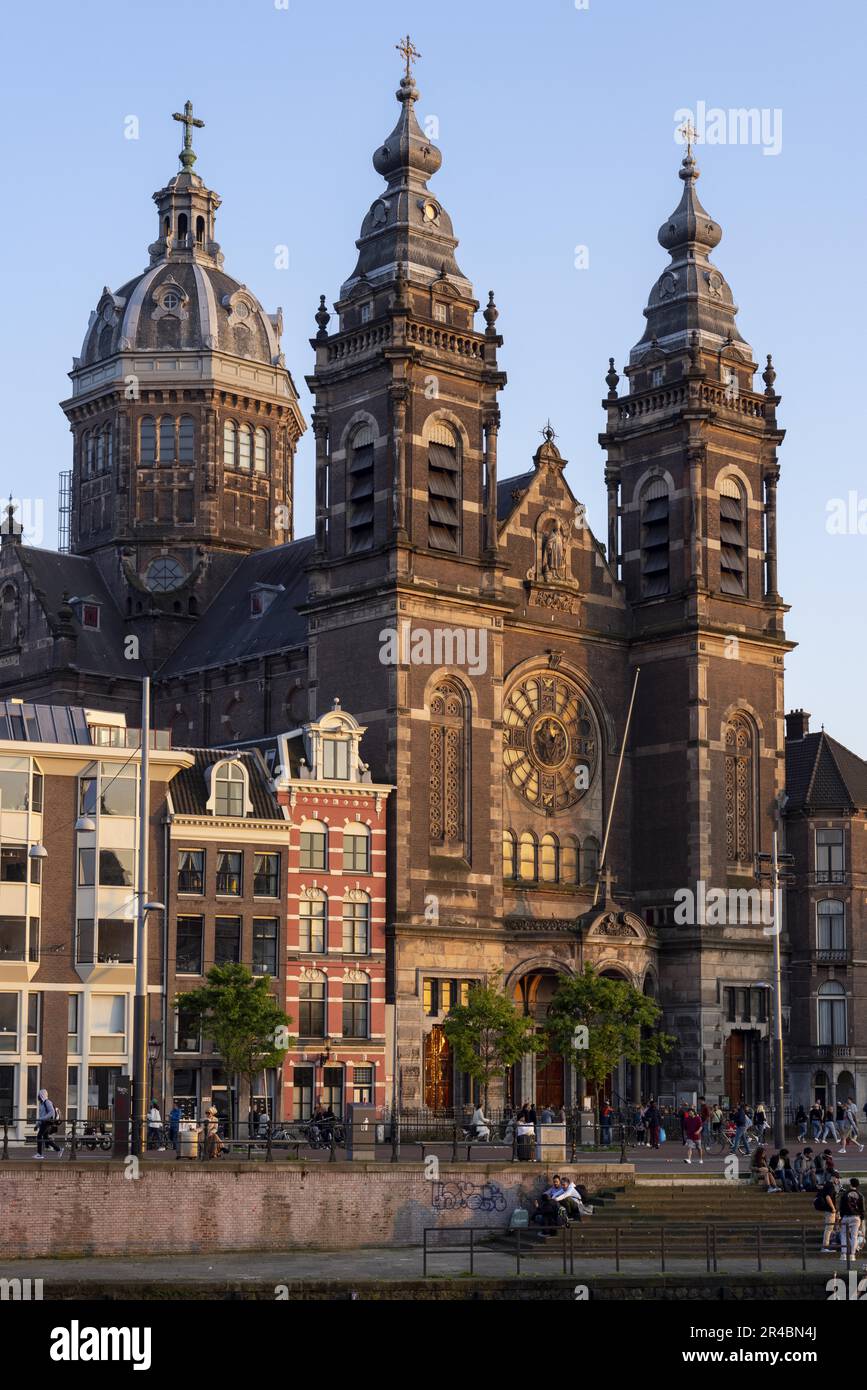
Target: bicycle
x,y
721,1142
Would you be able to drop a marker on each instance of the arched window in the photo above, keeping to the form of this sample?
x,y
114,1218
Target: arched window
x,y
100,452
88,454
230,444
183,227
447,762
262,456
147,441
9,616
109,447
167,439
655,575
359,521
245,447
833,1022
312,919
569,860
733,537
510,858
356,849
311,1007
230,790
356,926
527,857
590,860
186,440
444,490
739,793
200,230
830,925
314,845
549,859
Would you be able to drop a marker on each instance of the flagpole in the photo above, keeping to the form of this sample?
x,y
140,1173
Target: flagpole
x,y
616,785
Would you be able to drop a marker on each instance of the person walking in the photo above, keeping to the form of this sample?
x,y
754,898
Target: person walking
x,y
826,1203
851,1209
213,1146
760,1120
155,1129
816,1120
849,1127
742,1121
694,1131
653,1120
704,1112
46,1123
829,1128
801,1122
175,1117
606,1116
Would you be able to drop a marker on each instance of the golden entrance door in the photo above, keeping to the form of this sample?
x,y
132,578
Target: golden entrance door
x,y
438,1070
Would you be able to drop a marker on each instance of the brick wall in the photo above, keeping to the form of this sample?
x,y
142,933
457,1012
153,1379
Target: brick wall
x,y
188,1208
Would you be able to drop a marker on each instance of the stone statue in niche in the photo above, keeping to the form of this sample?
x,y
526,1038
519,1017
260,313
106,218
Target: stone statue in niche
x,y
554,553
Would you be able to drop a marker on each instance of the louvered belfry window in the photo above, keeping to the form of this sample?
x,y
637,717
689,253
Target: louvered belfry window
x,y
359,529
444,490
732,538
447,764
655,574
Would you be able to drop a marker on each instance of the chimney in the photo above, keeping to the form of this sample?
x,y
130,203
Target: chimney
x,y
797,724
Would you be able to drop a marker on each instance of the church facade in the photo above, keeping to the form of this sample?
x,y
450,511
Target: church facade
x,y
490,643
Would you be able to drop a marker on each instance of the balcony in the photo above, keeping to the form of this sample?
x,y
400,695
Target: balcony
x,y
833,955
834,1050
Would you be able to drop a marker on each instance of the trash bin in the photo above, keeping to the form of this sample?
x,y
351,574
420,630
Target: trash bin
x,y
188,1139
526,1143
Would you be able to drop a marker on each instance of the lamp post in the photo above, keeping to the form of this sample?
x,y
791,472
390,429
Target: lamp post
x,y
154,1050
774,868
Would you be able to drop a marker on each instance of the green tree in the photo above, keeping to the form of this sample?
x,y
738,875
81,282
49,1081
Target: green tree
x,y
237,1011
488,1035
593,1022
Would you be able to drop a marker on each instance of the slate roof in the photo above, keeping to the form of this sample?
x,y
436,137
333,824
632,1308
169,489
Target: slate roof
x,y
101,649
227,632
506,503
823,775
189,788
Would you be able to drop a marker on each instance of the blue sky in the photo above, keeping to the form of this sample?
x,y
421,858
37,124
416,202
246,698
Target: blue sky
x,y
556,125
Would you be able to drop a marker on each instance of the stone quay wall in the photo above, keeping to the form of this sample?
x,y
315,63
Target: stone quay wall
x,y
96,1208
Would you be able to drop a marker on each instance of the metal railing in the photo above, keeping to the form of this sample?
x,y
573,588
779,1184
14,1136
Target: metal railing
x,y
708,1243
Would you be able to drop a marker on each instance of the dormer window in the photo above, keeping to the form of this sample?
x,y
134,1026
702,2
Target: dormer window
x,y
335,758
441,313
261,598
229,791
87,611
366,310
656,376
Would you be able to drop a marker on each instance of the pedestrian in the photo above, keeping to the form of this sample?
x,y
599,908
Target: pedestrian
x,y
849,1127
741,1120
653,1120
213,1146
704,1112
829,1128
801,1122
46,1125
716,1120
826,1203
760,1120
175,1117
606,1116
851,1208
155,1128
694,1130
815,1120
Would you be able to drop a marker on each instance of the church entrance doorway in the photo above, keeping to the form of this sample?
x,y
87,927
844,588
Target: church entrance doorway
x,y
550,1081
438,1070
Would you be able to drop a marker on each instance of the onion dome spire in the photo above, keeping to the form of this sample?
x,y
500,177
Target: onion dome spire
x,y
691,297
406,226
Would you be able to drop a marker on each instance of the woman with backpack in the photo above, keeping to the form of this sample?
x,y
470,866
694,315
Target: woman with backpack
x,y
46,1124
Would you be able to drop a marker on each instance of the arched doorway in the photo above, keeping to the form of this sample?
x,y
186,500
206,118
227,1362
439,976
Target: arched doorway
x,y
540,1077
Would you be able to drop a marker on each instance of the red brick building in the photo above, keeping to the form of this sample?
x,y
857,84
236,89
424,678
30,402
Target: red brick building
x,y
335,918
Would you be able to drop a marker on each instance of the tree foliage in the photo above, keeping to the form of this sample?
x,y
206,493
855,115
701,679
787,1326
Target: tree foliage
x,y
594,1021
488,1034
237,1011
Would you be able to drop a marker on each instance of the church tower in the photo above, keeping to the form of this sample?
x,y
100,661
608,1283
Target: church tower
x,y
692,479
406,605
185,422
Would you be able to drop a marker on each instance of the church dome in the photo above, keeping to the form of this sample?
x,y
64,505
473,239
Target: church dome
x,y
182,304
184,301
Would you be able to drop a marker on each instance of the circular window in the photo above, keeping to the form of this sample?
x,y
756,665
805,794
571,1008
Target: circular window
x,y
164,575
430,212
242,310
549,741
171,299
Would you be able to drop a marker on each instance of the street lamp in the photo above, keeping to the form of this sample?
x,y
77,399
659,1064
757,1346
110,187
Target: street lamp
x,y
154,1050
775,868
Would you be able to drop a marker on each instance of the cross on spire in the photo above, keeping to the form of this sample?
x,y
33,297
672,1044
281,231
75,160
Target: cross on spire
x,y
606,878
688,131
410,53
548,432
188,120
